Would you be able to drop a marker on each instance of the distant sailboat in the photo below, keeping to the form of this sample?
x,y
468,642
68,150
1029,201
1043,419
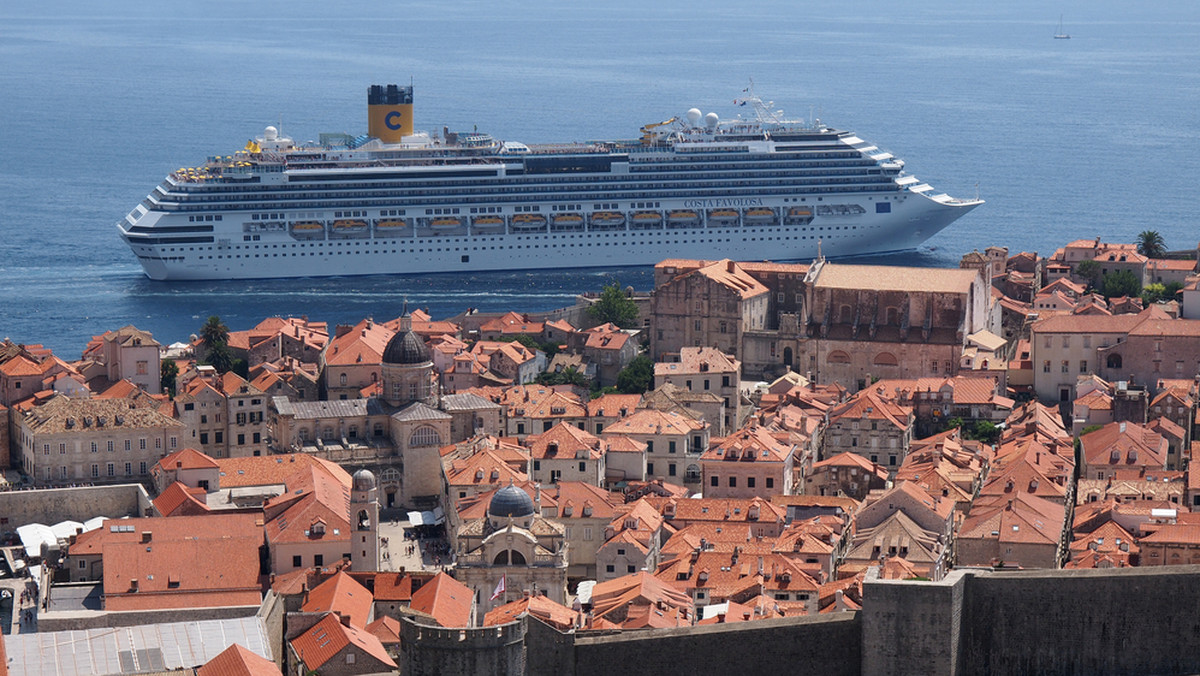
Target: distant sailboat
x,y
1060,35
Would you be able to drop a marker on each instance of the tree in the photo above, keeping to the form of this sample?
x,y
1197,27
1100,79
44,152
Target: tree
x,y
614,306
1153,293
637,377
216,345
1120,283
1089,271
1151,244
567,376
214,332
169,370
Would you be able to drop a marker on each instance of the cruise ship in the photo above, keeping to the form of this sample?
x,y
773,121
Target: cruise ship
x,y
397,201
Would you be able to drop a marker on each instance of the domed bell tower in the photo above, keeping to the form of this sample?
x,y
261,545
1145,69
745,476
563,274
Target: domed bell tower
x,y
364,522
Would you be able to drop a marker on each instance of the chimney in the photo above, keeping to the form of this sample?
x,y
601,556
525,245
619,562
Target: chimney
x,y
729,266
345,619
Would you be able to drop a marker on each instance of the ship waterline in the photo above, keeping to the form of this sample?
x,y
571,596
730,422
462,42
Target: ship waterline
x,y
759,189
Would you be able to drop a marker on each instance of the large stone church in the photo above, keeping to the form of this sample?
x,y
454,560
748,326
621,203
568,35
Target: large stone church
x,y
515,544
395,435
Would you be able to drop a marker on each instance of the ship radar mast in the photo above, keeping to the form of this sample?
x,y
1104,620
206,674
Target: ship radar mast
x,y
762,109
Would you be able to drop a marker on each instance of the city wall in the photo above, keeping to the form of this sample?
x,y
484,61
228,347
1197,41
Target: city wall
x,y
1126,621
52,505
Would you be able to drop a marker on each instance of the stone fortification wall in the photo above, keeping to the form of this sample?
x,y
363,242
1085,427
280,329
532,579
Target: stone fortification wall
x,y
74,620
1127,621
1131,621
483,651
52,505
827,645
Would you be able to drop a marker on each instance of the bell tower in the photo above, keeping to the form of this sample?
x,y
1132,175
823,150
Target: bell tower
x,y
364,522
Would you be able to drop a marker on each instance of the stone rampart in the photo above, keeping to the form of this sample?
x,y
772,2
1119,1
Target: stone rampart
x,y
52,505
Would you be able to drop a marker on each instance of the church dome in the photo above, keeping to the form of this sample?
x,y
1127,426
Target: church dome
x,y
363,480
511,501
405,348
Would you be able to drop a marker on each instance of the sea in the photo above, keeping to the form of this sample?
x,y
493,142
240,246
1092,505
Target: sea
x,y
1093,136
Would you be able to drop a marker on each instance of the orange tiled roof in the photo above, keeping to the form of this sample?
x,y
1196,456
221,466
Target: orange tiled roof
x,y
328,637
268,470
186,458
565,441
178,499
342,595
237,660
617,598
555,614
189,561
386,629
364,344
445,599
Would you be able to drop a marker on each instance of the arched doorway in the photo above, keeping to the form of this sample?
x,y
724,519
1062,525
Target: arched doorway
x,y
787,357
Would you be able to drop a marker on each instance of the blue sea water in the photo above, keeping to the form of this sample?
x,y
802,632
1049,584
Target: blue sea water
x,y
1098,135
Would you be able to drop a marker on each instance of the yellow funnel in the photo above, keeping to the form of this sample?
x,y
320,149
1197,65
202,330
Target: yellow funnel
x,y
389,112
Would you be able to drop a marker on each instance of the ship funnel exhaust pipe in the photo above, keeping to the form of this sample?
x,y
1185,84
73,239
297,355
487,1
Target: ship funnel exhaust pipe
x,y
389,112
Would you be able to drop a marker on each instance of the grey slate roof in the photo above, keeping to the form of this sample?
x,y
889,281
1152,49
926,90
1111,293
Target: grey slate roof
x,y
135,649
417,412
336,408
467,402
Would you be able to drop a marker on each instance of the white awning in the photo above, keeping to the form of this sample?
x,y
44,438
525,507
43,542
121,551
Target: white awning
x,y
33,535
415,519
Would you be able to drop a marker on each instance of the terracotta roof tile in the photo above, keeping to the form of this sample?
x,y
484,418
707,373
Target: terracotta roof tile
x,y
447,600
328,637
342,595
237,660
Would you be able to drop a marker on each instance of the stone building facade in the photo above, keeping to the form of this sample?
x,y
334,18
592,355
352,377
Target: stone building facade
x,y
844,323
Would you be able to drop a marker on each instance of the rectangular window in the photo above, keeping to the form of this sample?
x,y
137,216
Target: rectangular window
x,y
318,559
733,482
110,447
883,207
1046,366
770,482
219,437
650,446
749,482
582,466
296,561
142,467
94,448
129,469
670,447
649,469
112,470
128,444
713,481
1083,366
671,469
95,471
203,438
1066,366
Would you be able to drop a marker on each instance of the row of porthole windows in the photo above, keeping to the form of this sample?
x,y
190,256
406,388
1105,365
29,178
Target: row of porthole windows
x,y
491,248
537,237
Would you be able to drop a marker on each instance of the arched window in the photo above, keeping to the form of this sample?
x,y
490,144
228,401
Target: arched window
x,y
885,359
425,436
342,379
787,356
838,357
364,520
1114,361
844,314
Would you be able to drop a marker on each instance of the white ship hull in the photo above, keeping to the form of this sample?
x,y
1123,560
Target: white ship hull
x,y
764,189
913,220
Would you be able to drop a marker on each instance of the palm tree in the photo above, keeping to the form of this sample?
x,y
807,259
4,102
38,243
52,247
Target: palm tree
x,y
214,332
1150,244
